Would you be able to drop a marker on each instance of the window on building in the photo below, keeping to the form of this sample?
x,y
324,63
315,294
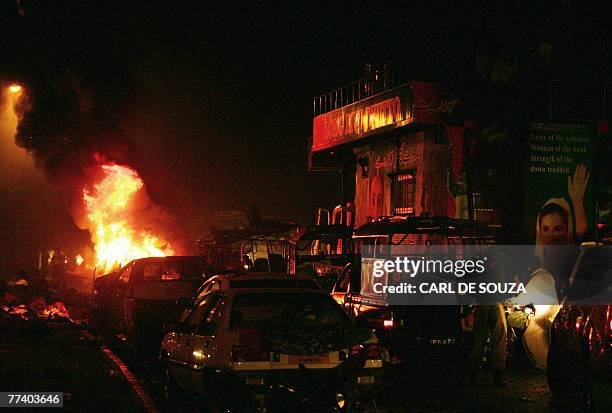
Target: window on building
x,y
403,193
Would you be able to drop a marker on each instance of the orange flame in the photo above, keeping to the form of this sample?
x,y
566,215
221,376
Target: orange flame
x,y
79,259
117,240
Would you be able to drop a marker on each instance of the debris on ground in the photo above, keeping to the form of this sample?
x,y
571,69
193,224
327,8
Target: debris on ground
x,y
36,316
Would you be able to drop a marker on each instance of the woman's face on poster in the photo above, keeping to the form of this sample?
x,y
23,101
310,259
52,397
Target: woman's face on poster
x,y
553,230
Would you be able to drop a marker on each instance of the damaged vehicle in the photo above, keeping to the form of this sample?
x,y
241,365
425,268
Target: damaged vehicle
x,y
134,303
254,334
580,353
323,251
411,333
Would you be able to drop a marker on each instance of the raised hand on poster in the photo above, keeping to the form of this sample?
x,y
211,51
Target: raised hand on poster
x,y
576,187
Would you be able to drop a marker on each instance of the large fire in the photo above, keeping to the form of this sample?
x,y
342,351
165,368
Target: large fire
x,y
110,209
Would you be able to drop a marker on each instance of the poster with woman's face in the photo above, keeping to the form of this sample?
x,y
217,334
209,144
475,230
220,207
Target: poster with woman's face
x,y
554,228
559,187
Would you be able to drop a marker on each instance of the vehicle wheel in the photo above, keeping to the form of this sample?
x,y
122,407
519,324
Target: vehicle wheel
x,y
363,406
138,350
126,346
228,402
136,345
565,369
170,389
96,322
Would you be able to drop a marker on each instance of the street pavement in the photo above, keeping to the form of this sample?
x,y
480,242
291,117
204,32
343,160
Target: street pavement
x,y
63,360
434,390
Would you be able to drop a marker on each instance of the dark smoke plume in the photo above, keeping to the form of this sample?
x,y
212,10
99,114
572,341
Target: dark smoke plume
x,y
77,84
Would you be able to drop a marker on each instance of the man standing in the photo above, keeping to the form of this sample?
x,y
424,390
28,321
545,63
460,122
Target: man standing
x,y
58,269
489,318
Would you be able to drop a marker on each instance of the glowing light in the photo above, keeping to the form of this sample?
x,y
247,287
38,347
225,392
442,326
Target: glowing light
x,y
15,89
111,212
541,311
340,400
79,259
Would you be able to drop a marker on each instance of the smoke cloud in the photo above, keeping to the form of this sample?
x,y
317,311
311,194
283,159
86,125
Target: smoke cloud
x,y
76,91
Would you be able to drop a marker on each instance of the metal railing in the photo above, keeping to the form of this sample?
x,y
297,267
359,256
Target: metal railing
x,y
568,100
376,80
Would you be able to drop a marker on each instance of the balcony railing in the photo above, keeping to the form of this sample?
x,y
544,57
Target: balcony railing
x,y
376,80
565,100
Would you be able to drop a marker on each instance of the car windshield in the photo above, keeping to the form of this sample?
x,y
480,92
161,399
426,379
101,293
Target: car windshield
x,y
305,323
325,246
173,269
372,246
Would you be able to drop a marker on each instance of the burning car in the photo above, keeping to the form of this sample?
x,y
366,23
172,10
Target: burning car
x,y
255,331
134,302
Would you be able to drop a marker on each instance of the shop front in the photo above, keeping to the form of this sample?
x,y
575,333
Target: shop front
x,y
395,144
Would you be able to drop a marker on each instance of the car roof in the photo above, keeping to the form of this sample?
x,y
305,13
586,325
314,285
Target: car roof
x,y
172,258
423,225
264,275
152,259
327,231
258,281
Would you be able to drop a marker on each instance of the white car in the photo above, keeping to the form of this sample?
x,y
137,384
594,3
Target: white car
x,y
244,333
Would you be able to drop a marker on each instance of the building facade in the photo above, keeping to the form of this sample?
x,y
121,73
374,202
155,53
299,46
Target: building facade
x,y
395,144
424,148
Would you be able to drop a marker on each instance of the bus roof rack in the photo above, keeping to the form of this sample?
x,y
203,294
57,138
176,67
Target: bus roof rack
x,y
423,225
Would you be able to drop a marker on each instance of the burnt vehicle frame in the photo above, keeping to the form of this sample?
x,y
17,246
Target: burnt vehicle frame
x,y
132,307
251,249
323,251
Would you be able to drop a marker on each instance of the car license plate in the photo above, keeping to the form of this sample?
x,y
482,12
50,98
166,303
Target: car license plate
x,y
442,342
309,359
365,380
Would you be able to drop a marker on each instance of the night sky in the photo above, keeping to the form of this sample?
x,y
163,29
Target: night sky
x,y
212,104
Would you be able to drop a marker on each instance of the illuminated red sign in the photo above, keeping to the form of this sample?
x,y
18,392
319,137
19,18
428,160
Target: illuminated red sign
x,y
417,102
351,122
